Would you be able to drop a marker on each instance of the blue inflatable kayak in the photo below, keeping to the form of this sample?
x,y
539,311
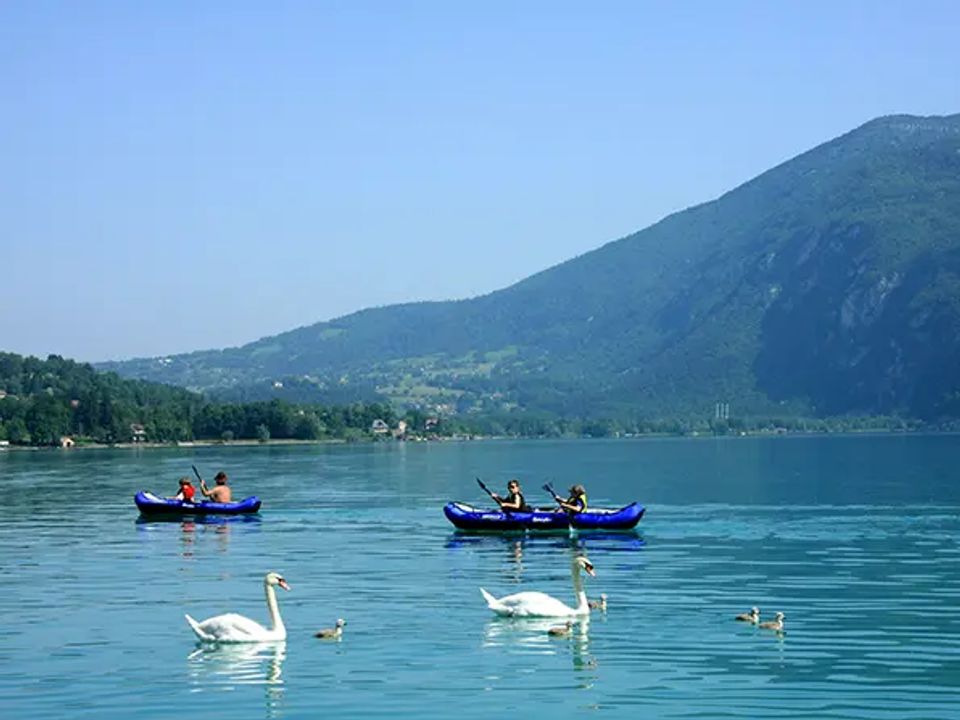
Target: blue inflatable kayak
x,y
150,504
468,517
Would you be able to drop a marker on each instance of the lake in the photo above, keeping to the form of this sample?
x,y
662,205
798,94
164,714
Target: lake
x,y
854,538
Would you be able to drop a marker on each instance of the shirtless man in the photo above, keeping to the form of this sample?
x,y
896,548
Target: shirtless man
x,y
221,493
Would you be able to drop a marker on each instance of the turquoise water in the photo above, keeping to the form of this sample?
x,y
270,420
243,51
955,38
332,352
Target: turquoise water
x,y
854,538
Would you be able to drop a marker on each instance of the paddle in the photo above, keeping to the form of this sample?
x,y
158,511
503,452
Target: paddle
x,y
549,488
196,472
492,496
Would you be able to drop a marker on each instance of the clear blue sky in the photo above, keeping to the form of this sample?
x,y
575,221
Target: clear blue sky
x,y
180,176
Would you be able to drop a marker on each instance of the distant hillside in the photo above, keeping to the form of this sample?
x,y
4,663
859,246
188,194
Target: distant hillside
x,y
828,285
42,401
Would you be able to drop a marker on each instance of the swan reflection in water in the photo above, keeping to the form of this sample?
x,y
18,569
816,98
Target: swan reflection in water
x,y
227,666
532,636
232,664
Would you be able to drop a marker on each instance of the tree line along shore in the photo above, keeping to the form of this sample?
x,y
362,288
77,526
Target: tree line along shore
x,y
58,402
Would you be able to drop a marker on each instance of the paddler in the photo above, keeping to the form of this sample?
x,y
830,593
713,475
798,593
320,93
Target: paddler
x,y
577,502
221,493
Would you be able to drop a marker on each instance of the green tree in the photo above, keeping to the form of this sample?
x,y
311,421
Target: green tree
x,y
307,427
17,432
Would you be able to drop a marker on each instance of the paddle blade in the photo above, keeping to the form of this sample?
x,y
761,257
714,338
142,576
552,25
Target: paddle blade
x,y
549,488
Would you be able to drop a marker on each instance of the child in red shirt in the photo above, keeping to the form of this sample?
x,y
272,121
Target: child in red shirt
x,y
186,491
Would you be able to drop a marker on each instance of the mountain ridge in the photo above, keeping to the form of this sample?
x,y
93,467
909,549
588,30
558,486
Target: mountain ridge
x,y
702,306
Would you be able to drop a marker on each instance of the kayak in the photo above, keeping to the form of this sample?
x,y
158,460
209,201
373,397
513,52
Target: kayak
x,y
468,517
150,504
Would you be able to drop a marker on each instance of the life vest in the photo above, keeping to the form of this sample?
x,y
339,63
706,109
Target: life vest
x,y
523,502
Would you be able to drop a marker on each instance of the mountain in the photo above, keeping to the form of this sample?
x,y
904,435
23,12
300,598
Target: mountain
x,y
828,285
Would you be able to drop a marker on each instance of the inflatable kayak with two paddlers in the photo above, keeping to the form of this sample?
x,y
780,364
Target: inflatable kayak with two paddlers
x,y
151,504
468,517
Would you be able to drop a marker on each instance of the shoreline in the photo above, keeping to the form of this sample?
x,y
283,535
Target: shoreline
x,y
193,444
180,445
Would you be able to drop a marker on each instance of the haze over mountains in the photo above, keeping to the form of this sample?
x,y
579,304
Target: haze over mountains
x,y
827,285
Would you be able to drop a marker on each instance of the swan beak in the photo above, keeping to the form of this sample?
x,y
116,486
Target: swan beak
x,y
283,583
589,570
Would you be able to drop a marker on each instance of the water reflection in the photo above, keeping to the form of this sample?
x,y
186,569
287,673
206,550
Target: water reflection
x,y
532,636
627,541
221,531
146,524
238,664
518,552
515,548
194,530
228,666
515,558
187,530
532,632
619,541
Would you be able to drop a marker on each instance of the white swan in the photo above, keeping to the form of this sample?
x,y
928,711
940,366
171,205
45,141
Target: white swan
x,y
538,604
233,628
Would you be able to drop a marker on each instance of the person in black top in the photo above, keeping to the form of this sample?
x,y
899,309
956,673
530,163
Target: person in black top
x,y
514,501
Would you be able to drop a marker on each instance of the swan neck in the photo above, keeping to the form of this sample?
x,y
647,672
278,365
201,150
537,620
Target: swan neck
x,y
272,607
583,605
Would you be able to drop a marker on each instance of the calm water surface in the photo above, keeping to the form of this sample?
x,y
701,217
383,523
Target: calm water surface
x,y
854,538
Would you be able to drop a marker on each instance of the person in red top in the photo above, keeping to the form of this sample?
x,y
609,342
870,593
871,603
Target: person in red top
x,y
186,491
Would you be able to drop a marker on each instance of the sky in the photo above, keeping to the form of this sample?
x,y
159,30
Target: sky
x,y
181,176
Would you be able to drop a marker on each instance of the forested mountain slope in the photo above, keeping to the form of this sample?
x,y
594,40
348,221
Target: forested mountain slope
x,y
828,285
43,401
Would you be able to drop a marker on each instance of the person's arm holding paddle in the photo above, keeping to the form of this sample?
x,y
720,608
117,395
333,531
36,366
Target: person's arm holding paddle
x,y
221,493
515,502
577,502
203,485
